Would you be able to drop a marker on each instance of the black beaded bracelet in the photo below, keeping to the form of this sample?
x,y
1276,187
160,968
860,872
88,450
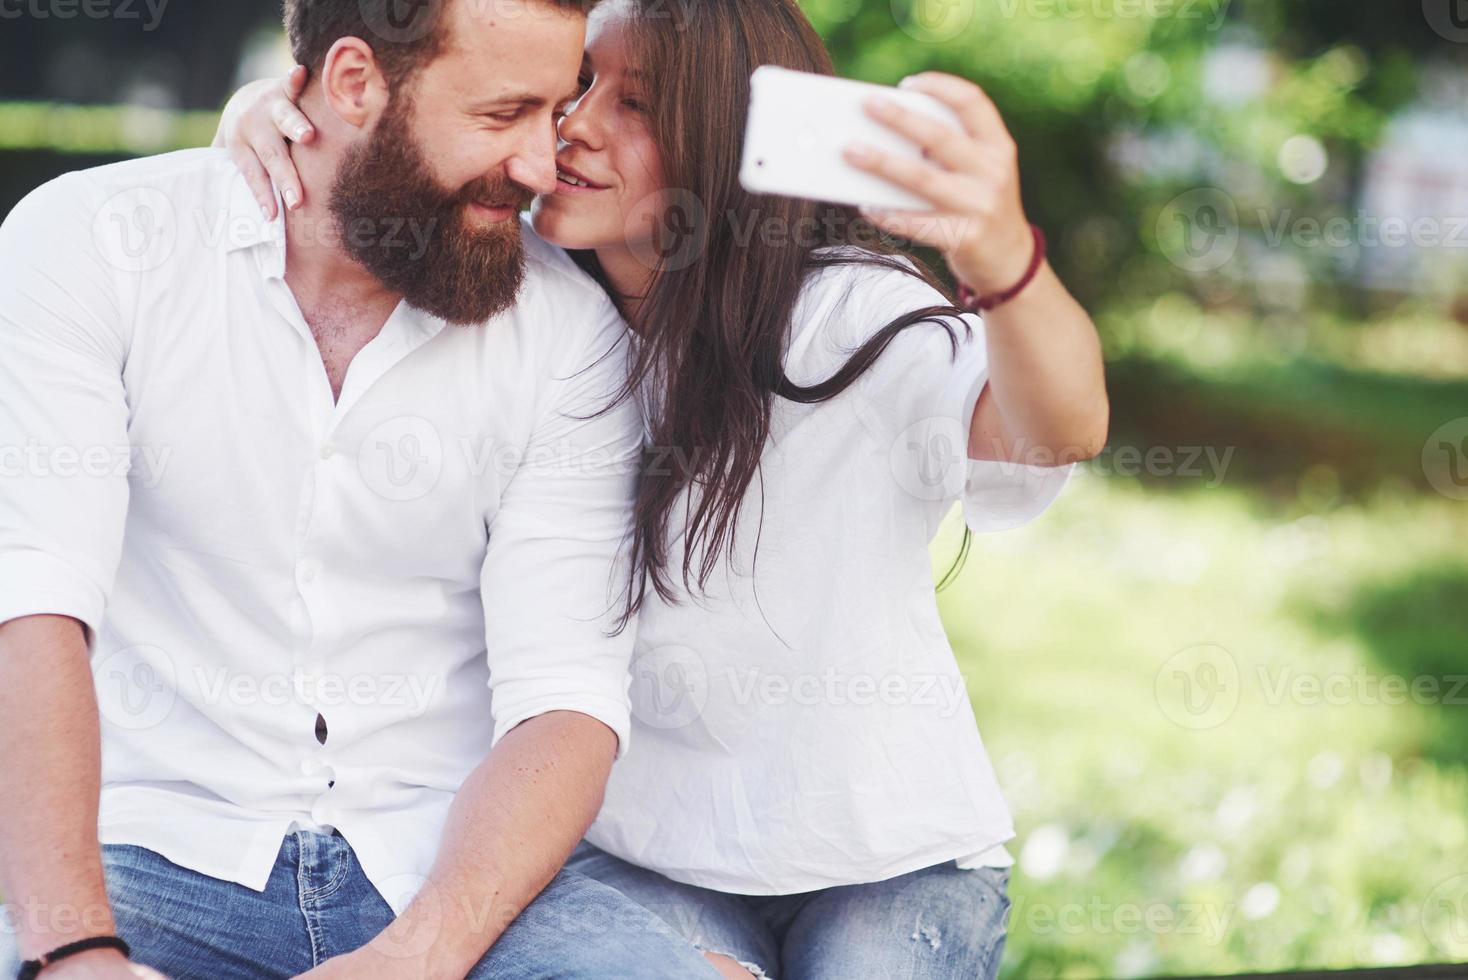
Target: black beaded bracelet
x,y
31,968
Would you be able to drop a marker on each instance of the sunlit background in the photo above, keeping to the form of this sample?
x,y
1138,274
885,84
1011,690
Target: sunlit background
x,y
1225,681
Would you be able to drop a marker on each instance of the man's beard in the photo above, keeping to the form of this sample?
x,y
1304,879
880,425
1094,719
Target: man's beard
x,y
413,235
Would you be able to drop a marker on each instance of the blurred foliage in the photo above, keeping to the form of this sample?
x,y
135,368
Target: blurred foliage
x,y
1072,75
75,129
1317,822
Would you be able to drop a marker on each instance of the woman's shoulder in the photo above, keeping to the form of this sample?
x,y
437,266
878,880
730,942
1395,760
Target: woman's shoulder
x,y
849,295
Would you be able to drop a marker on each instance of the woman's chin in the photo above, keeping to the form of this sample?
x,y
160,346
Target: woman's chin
x,y
553,221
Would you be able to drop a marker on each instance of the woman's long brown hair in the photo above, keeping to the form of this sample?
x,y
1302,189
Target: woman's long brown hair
x,y
713,331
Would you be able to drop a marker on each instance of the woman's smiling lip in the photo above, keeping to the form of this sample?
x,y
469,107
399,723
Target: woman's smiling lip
x,y
564,186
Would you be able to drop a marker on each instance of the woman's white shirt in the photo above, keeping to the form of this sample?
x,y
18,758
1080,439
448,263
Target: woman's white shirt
x,y
802,722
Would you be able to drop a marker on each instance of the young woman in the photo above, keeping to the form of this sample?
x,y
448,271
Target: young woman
x,y
807,794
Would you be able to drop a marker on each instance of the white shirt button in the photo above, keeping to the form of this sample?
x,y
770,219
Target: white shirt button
x,y
328,451
309,570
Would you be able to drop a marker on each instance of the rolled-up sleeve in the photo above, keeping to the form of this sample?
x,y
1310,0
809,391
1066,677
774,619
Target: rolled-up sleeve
x,y
63,411
924,390
554,574
998,495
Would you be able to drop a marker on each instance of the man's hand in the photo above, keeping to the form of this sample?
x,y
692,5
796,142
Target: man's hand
x,y
100,964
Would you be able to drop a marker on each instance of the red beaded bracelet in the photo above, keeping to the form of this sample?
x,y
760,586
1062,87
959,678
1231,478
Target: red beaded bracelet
x,y
975,303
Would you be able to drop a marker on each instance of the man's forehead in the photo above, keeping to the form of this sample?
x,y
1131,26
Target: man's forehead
x,y
473,25
490,55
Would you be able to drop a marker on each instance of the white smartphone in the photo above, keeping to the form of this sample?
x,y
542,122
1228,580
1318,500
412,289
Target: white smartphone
x,y
800,123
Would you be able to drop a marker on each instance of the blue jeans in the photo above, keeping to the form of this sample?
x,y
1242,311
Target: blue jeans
x,y
318,904
935,924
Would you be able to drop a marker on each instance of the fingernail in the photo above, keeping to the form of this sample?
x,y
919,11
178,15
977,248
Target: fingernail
x,y
882,104
860,152
264,209
909,82
292,200
301,131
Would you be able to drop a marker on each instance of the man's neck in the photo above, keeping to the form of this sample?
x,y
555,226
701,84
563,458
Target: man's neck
x,y
345,305
318,269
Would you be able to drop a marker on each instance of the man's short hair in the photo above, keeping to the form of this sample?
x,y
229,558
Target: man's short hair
x,y
405,35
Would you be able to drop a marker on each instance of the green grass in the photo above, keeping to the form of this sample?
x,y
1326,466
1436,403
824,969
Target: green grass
x,y
1283,826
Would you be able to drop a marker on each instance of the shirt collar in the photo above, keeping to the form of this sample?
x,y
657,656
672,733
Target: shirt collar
x,y
248,226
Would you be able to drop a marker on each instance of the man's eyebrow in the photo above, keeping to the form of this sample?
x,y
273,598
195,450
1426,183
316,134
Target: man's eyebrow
x,y
571,96
509,100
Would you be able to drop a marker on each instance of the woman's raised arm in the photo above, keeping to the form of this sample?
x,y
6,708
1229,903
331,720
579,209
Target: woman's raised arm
x,y
1046,399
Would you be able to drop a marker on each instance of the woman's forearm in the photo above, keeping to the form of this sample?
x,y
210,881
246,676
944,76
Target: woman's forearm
x,y
1046,402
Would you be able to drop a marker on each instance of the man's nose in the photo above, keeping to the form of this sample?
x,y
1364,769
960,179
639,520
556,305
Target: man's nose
x,y
534,166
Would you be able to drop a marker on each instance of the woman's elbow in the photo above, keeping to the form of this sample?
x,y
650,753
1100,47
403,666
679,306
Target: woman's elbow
x,y
1082,438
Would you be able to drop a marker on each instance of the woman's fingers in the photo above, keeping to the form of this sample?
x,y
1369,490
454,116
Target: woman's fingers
x,y
291,122
295,82
256,178
979,113
945,190
948,146
274,154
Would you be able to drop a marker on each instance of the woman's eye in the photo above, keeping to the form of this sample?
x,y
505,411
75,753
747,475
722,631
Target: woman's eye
x,y
583,83
634,104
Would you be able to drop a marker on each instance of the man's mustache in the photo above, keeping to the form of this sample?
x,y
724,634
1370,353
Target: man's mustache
x,y
502,193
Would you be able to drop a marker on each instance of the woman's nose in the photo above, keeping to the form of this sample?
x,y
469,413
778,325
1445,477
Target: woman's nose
x,y
574,127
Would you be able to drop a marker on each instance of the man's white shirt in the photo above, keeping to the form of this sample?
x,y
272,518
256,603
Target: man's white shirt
x,y
426,562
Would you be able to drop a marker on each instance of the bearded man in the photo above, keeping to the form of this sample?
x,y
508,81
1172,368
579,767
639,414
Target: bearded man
x,y
304,592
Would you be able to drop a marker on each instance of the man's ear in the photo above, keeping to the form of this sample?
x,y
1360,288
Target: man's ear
x,y
352,83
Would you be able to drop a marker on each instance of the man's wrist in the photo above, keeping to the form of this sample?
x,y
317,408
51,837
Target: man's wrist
x,y
81,964
43,928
